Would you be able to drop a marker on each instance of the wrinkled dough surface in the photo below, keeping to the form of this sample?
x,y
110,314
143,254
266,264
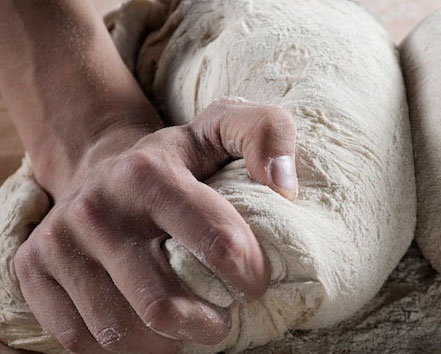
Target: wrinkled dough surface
x,y
335,69
421,55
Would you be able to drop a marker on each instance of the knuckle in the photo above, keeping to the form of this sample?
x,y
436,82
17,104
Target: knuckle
x,y
25,261
157,313
88,208
110,338
139,172
153,177
136,168
51,240
277,121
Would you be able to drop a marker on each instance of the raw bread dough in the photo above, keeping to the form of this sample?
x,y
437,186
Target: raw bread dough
x,y
334,67
23,205
421,57
403,318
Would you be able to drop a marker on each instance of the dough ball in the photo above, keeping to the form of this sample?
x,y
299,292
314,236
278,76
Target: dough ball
x,y
421,58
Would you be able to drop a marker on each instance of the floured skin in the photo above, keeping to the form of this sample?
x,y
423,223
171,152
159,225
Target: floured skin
x,y
335,69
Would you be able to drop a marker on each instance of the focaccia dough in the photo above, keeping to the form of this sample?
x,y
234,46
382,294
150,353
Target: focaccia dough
x,y
335,69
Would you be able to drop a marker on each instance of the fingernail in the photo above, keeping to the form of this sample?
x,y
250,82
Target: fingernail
x,y
283,173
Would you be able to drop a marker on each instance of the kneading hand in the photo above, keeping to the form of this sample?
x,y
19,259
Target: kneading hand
x,y
94,272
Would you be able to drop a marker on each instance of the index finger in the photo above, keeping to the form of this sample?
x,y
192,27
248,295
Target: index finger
x,y
214,231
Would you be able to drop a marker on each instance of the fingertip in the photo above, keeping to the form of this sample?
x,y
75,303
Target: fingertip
x,y
260,287
220,327
283,176
256,279
213,327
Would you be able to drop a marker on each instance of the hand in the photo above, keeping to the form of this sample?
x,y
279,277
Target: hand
x,y
94,272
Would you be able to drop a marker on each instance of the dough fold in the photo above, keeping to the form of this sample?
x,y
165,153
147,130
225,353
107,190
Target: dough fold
x,y
335,69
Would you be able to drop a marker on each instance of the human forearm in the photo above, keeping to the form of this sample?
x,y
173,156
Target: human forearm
x,y
63,81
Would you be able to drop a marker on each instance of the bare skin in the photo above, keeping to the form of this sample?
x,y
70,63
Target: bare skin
x,y
94,272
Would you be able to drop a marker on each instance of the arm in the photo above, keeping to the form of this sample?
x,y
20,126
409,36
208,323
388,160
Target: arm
x,y
64,83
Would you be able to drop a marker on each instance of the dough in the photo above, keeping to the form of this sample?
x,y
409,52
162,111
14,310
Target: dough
x,y
23,205
421,55
334,67
403,318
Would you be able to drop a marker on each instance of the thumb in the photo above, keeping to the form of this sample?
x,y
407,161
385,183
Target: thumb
x,y
263,135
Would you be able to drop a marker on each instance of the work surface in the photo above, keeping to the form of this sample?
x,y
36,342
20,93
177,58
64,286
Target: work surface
x,y
405,316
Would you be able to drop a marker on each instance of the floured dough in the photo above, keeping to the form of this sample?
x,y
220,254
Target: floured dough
x,y
23,205
421,56
403,318
334,67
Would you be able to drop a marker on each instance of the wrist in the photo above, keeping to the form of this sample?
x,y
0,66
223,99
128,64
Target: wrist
x,y
60,164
